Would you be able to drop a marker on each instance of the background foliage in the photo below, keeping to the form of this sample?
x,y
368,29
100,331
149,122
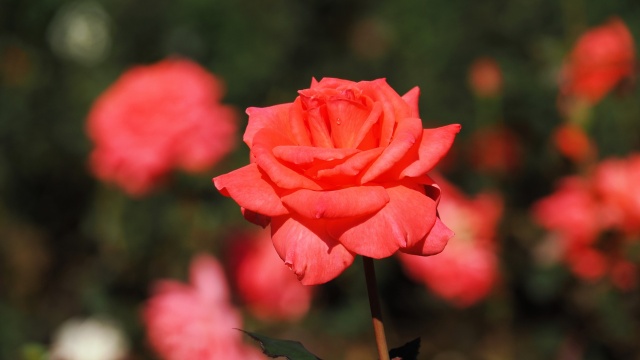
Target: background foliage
x,y
71,246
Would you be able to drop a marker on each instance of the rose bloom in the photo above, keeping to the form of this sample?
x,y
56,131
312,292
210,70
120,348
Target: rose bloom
x,y
485,77
600,59
467,269
157,118
196,321
340,171
268,288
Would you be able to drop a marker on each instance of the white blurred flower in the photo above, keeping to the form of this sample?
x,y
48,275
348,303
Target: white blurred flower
x,y
89,339
80,31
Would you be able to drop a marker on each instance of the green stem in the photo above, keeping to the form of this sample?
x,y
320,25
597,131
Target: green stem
x,y
374,304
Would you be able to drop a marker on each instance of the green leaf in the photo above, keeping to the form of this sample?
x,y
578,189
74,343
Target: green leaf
x,y
408,351
274,348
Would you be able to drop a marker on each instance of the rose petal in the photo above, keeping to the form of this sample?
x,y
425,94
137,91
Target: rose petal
x,y
433,243
263,143
272,117
341,203
352,166
366,137
395,109
434,146
411,98
256,218
346,119
317,119
407,133
298,125
308,154
404,221
308,250
251,190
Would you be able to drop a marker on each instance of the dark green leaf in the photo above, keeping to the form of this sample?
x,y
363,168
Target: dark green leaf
x,y
408,351
274,348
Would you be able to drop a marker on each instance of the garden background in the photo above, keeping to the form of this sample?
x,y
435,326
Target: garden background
x,y
72,246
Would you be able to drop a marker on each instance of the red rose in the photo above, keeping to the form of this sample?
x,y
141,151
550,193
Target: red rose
x,y
342,171
600,59
467,270
257,271
157,118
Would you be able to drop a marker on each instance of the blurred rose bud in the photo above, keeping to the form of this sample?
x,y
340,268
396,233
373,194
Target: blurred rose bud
x,y
573,143
485,77
600,59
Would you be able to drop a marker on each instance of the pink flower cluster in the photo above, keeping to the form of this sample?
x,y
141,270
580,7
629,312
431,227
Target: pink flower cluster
x,y
596,219
466,271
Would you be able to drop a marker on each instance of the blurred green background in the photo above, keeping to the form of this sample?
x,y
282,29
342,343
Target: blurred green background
x,y
71,246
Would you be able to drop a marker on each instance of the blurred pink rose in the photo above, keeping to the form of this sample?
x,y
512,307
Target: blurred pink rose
x,y
158,118
467,269
600,59
271,291
196,321
485,77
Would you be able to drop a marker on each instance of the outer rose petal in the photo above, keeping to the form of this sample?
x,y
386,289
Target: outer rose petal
x,y
407,133
308,154
411,98
434,146
308,250
272,117
404,221
433,243
341,203
264,142
249,188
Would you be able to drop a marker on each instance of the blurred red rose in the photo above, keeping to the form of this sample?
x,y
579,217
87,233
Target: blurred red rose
x,y
467,269
485,77
572,142
342,171
595,218
616,182
157,118
600,59
196,321
495,149
270,290
572,211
